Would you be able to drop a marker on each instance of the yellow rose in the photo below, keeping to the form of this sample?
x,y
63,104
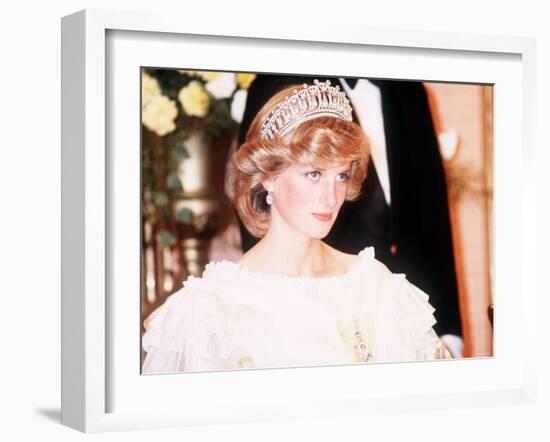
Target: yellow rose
x,y
149,88
245,80
159,115
194,99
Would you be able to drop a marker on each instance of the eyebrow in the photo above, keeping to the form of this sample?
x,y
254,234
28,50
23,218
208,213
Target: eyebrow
x,y
323,169
346,170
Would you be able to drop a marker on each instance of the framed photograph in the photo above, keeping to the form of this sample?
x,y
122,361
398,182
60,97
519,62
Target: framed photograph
x,y
119,262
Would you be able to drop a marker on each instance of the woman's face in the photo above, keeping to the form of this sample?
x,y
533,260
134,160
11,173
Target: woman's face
x,y
308,199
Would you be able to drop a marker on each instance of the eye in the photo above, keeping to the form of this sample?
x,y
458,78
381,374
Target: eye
x,y
343,177
314,175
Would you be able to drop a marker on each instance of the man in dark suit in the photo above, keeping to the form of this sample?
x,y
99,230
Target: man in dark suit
x,y
403,210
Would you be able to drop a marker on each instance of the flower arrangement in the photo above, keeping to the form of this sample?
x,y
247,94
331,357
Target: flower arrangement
x,y
213,101
174,104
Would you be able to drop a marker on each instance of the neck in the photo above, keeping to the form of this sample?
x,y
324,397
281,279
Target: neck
x,y
286,251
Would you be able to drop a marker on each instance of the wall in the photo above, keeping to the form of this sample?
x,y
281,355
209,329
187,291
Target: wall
x,y
463,119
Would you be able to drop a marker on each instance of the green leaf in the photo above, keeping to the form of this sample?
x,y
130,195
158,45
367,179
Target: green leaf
x,y
147,178
184,216
165,238
180,152
173,182
160,199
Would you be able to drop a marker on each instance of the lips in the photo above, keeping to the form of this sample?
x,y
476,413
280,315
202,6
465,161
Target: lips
x,y
325,217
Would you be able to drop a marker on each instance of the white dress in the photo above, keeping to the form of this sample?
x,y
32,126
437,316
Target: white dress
x,y
232,318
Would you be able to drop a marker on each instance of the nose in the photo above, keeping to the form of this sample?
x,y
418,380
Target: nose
x,y
328,194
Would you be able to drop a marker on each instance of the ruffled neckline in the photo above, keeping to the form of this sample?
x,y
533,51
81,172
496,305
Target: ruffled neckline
x,y
230,268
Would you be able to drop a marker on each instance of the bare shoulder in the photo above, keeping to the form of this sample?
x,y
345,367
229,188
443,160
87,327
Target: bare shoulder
x,y
249,258
342,262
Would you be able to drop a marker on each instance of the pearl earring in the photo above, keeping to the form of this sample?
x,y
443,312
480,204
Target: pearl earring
x,y
269,196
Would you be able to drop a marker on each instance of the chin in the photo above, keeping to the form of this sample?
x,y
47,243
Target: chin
x,y
318,233
313,230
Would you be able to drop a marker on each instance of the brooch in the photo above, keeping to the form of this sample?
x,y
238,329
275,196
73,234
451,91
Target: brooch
x,y
355,340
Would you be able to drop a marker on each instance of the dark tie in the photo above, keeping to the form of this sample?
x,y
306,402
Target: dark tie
x,y
351,82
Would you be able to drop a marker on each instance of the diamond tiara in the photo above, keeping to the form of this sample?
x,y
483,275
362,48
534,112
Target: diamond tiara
x,y
313,101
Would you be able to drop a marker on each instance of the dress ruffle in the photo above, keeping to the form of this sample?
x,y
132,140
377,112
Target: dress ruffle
x,y
231,315
408,332
184,332
216,272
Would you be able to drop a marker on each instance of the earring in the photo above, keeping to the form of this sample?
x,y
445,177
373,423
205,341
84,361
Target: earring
x,y
269,196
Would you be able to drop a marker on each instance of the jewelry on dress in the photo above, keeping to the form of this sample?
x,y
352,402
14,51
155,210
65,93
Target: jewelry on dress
x,y
360,347
352,333
313,101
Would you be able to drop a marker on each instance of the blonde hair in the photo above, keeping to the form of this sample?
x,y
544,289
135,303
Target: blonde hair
x,y
321,142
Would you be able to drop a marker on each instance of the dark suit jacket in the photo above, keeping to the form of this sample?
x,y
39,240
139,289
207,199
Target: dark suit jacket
x,y
413,236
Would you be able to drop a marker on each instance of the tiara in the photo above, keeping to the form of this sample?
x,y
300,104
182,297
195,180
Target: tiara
x,y
313,101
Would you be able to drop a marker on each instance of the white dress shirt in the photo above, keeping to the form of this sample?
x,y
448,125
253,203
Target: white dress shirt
x,y
367,102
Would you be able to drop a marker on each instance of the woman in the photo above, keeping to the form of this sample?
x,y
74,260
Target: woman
x,y
292,300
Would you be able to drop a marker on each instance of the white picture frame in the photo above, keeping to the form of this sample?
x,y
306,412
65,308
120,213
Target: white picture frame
x,y
92,371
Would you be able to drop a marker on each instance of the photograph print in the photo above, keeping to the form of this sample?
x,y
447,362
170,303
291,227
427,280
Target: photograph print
x,y
305,221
